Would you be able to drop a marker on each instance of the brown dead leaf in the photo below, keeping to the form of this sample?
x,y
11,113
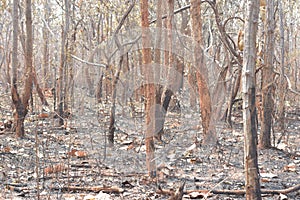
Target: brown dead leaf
x,y
80,154
72,152
265,180
43,115
77,153
195,160
175,124
290,167
131,146
55,168
6,149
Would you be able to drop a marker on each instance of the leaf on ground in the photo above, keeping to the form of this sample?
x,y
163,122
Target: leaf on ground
x,y
55,168
77,153
290,167
283,197
268,175
81,154
127,184
69,197
6,149
190,149
282,146
196,195
265,180
90,197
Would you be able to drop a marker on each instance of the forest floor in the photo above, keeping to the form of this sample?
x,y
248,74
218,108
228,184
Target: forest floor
x,y
76,162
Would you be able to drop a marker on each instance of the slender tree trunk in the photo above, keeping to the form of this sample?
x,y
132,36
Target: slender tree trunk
x,y
70,74
38,89
99,89
282,83
249,110
67,66
19,108
62,67
28,57
296,67
150,90
111,129
167,93
268,78
87,71
193,86
209,131
117,76
233,93
157,57
45,67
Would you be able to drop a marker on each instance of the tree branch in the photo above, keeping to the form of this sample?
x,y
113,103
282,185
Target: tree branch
x,y
290,86
175,12
87,62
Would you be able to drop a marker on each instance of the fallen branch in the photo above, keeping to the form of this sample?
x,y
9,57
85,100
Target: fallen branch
x,y
282,191
231,192
174,195
113,189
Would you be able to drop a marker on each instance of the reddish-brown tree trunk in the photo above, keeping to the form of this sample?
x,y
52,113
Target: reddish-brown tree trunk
x,y
150,90
202,74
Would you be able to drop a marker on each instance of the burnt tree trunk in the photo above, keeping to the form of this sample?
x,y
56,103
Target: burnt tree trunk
x,y
117,76
252,184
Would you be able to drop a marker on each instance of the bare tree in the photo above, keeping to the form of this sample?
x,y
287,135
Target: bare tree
x,y
249,109
21,103
282,84
157,56
46,53
117,75
169,58
268,76
202,74
61,90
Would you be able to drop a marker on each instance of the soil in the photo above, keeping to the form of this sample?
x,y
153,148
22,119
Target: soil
x,y
77,162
